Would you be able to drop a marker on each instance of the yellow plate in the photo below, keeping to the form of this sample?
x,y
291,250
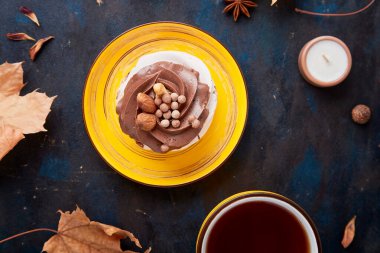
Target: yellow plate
x,y
176,167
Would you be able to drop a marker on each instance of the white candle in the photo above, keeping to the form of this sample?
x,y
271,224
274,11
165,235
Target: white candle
x,y
325,61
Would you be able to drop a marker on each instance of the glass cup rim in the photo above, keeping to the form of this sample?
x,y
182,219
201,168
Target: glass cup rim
x,y
255,194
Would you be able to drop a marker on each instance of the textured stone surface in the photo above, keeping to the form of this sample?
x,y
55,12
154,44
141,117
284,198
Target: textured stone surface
x,y
299,141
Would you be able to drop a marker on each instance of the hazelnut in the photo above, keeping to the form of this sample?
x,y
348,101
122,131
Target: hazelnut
x,y
176,123
196,124
166,98
174,97
158,113
146,121
165,123
146,103
191,118
175,114
159,89
182,99
164,107
164,148
361,114
158,101
167,115
174,105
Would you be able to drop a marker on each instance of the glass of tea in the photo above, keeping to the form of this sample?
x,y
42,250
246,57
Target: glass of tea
x,y
258,222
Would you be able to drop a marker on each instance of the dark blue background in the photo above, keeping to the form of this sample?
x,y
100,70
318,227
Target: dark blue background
x,y
299,140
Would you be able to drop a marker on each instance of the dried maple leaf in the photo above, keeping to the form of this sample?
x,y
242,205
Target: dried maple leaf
x,y
99,2
9,137
19,115
11,78
37,47
76,233
349,233
239,6
19,36
30,14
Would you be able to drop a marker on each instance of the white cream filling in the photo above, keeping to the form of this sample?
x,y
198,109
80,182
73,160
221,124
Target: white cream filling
x,y
188,61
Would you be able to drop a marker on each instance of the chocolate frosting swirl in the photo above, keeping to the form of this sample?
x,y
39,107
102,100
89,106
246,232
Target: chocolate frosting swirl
x,y
176,78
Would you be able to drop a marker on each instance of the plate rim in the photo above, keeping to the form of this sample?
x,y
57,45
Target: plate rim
x,y
177,184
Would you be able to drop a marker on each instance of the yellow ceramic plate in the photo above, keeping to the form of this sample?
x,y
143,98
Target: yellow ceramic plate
x,y
176,167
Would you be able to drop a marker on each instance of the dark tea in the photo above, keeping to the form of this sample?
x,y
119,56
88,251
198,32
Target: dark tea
x,y
258,227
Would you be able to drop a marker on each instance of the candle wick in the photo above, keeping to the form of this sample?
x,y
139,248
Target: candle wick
x,y
327,59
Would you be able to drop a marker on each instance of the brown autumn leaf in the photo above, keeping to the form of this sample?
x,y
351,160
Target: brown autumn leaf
x,y
30,14
11,78
19,115
349,233
33,51
9,137
19,36
76,233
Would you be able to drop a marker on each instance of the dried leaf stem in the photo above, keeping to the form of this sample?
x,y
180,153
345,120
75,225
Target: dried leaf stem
x,y
335,14
28,232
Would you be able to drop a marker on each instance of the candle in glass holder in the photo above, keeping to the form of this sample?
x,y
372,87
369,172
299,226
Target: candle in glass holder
x,y
325,61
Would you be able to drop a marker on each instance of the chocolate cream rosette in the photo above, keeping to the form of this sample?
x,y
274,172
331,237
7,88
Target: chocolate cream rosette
x,y
164,106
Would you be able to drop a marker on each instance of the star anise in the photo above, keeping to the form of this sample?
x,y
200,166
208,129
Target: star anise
x,y
239,6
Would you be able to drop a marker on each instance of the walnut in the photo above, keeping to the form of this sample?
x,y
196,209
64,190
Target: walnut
x,y
159,89
146,103
146,121
361,114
